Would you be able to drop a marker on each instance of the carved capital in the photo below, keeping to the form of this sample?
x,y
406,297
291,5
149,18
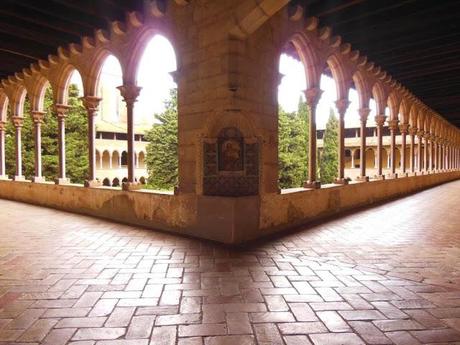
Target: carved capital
x,y
91,103
61,110
342,105
313,95
413,131
2,125
129,93
380,120
18,121
420,134
403,127
37,116
364,114
393,125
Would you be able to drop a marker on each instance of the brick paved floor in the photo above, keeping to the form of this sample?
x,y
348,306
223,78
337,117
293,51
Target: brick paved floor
x,y
386,275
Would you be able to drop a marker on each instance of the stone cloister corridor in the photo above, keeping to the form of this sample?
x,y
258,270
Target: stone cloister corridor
x,y
384,275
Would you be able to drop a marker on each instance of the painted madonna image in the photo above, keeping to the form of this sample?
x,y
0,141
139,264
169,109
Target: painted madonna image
x,y
230,154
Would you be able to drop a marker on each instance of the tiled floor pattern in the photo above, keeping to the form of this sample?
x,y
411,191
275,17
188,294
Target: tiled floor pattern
x,y
386,275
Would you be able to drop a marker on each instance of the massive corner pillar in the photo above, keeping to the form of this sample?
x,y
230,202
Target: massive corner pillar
x,y
18,122
393,125
342,105
3,175
37,117
419,152
61,111
380,121
91,103
312,95
363,114
412,133
403,128
130,94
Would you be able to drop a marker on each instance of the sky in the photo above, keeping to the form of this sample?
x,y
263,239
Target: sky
x,y
159,60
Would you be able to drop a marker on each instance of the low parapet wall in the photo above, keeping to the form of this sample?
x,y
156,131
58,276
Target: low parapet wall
x,y
223,219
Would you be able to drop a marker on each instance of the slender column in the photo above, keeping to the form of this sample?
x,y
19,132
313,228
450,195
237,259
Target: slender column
x,y
412,132
425,152
3,175
130,94
363,114
430,149
110,159
436,153
342,106
312,95
37,117
352,159
18,122
380,121
393,125
61,111
91,103
419,153
403,128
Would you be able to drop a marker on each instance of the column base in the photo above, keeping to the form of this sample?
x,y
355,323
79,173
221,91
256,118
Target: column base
x,y
4,177
61,181
129,186
379,177
403,174
413,173
19,178
392,176
362,178
342,181
93,183
38,179
420,173
312,184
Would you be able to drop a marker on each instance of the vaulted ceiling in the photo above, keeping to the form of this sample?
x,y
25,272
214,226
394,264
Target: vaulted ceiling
x,y
416,41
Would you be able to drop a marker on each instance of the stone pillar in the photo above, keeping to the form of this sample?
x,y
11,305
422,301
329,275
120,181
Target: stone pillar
x,y
425,153
61,111
430,162
393,125
419,153
312,95
380,121
3,175
342,106
110,159
353,159
18,121
91,103
403,128
436,153
363,114
130,94
412,133
37,117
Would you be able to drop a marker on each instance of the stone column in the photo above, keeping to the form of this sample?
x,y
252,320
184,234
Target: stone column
x,y
342,106
436,153
425,153
91,103
393,125
18,121
403,128
312,95
110,159
363,114
353,159
412,133
130,94
37,117
430,161
380,121
3,175
61,111
419,153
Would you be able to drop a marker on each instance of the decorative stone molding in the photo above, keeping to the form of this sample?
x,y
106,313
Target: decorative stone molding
x,y
129,93
364,114
404,128
18,121
38,116
313,95
342,106
393,124
91,104
380,120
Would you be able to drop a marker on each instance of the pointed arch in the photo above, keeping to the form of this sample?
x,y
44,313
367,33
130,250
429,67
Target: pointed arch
x,y
18,99
309,59
394,101
362,87
3,107
61,88
404,109
340,76
380,98
91,83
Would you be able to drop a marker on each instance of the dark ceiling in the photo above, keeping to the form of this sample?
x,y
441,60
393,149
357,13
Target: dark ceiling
x,y
416,41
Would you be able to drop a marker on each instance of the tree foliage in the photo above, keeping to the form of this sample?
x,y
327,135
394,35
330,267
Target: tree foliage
x,y
293,129
76,140
329,159
162,150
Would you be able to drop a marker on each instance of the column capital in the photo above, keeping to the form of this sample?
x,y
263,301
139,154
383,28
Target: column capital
x,y
61,110
403,128
18,121
38,116
2,125
129,92
91,103
413,130
380,120
313,95
363,114
393,124
420,134
342,105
